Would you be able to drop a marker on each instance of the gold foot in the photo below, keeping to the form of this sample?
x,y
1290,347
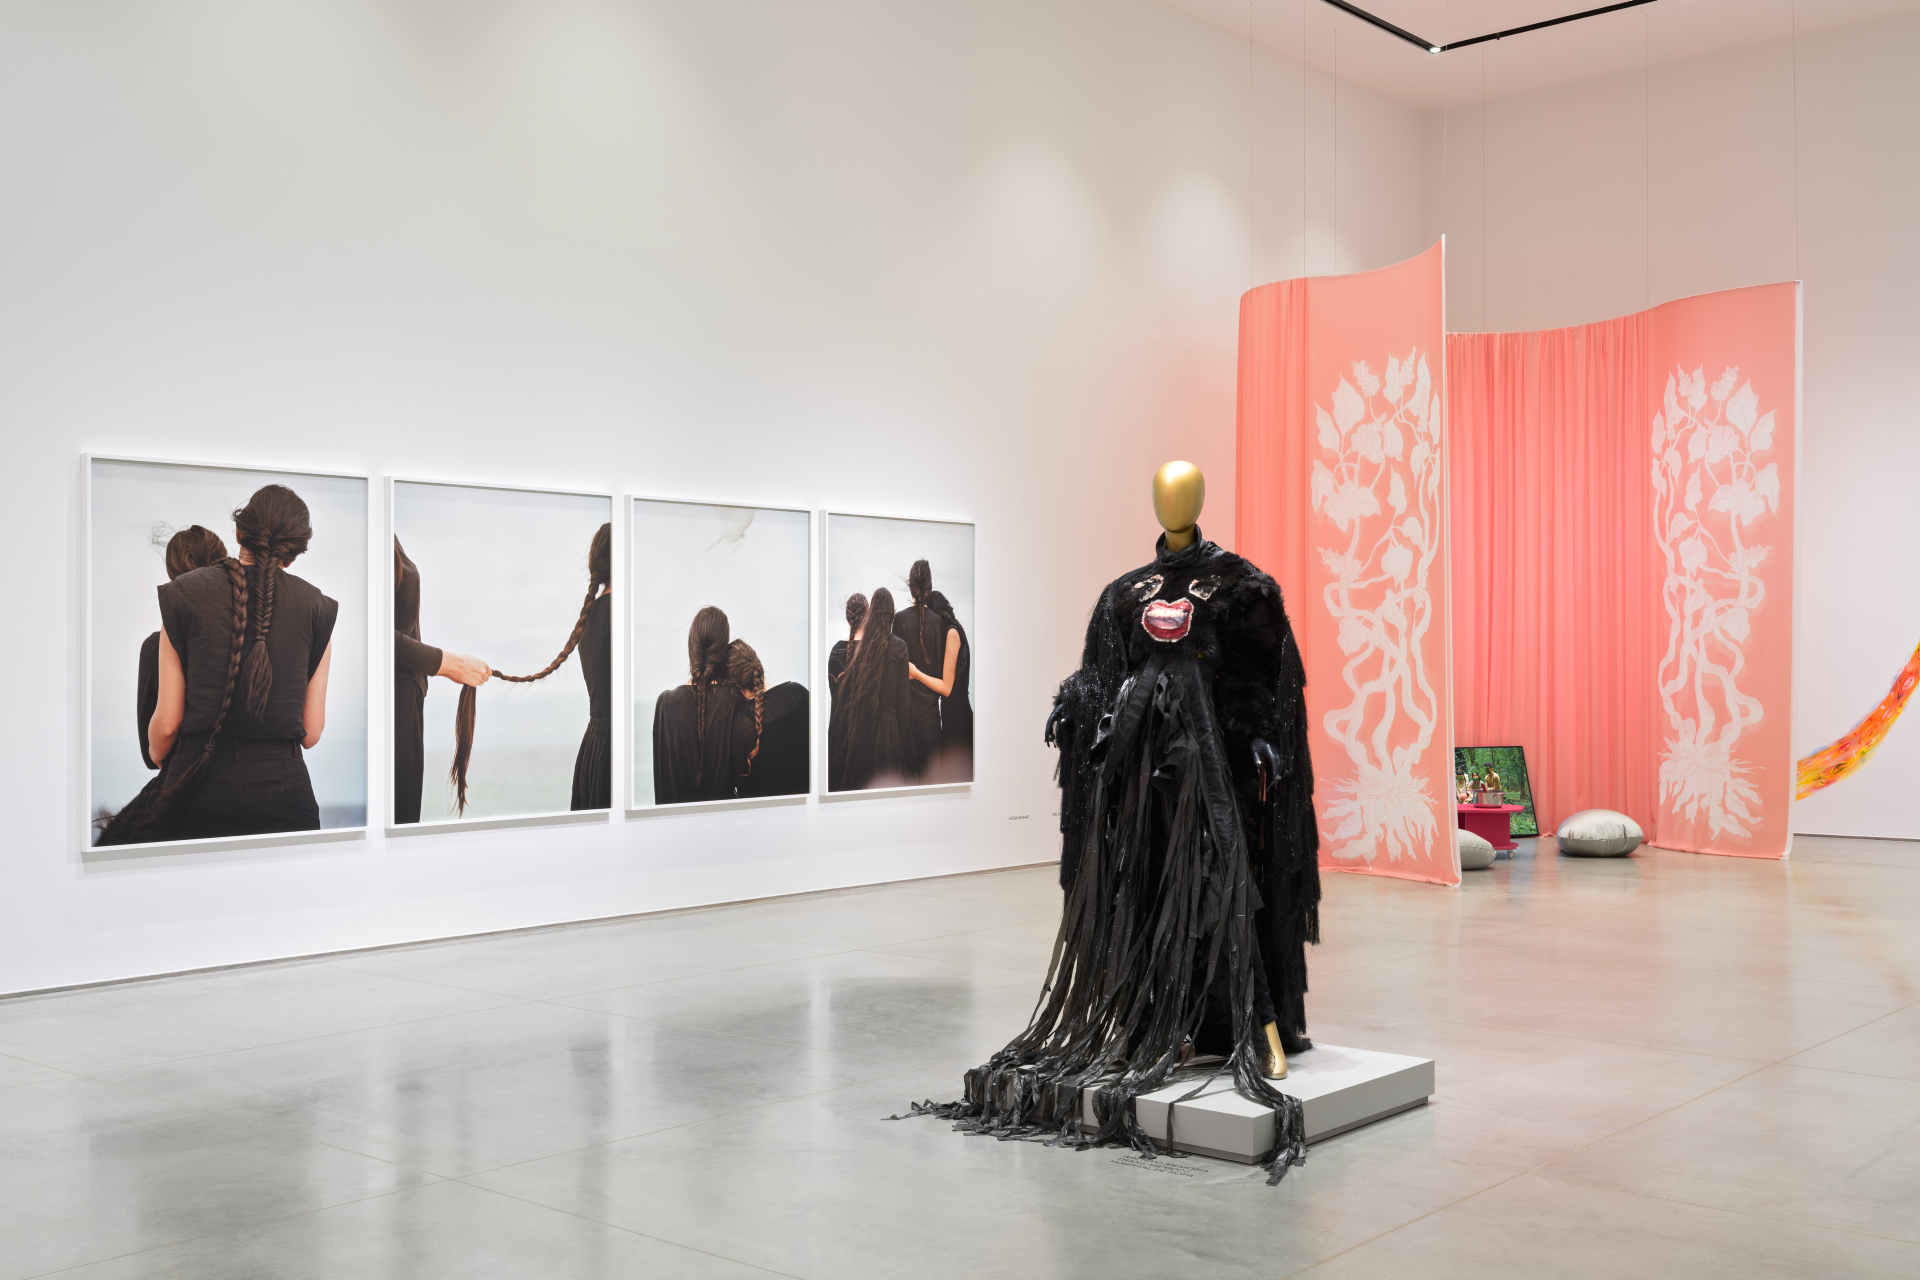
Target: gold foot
x,y
1276,1056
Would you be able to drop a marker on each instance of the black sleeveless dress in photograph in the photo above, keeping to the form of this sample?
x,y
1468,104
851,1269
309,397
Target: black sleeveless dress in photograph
x,y
925,635
887,763
414,664
256,782
689,765
837,660
593,766
780,768
956,718
146,695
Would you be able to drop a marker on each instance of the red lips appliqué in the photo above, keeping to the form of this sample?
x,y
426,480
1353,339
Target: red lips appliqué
x,y
1168,620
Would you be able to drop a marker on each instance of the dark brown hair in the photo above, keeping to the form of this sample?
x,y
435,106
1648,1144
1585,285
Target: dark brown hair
x,y
919,581
275,527
938,605
745,674
856,615
706,663
867,663
194,547
933,636
599,577
599,574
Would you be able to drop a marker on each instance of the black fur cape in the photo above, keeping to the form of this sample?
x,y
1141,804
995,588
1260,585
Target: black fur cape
x,y
1240,629
1189,864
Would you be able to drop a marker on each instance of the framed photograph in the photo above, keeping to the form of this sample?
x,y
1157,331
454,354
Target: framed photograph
x,y
722,663
226,652
1510,763
502,652
899,671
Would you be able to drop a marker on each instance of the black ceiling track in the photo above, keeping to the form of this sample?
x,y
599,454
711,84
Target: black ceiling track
x,y
1428,45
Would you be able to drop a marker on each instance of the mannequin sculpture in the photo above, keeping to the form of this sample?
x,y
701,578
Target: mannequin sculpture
x,y
1188,856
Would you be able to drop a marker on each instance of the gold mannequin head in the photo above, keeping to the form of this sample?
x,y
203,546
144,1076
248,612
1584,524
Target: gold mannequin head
x,y
1179,492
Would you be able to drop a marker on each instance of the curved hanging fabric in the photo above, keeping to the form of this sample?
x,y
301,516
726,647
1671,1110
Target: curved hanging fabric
x,y
1623,563
1846,754
1341,494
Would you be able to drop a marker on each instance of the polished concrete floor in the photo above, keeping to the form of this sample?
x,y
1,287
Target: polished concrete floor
x,y
1662,1066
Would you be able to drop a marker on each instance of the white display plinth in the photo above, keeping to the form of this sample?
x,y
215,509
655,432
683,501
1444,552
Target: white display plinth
x,y
1339,1089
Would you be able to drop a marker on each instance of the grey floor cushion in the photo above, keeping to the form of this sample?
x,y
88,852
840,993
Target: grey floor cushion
x,y
1476,851
1599,833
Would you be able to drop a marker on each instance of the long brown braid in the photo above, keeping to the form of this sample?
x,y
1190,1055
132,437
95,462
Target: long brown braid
x,y
920,587
599,578
599,574
150,815
856,614
746,675
275,527
706,663
867,663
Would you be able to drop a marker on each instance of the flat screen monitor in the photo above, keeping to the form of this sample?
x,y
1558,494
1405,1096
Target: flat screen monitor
x,y
1511,764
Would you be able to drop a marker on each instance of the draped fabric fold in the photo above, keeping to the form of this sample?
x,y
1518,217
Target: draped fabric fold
x,y
1341,494
1622,563
1554,586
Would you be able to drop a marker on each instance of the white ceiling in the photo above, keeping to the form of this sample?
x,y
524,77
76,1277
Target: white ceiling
x,y
1316,33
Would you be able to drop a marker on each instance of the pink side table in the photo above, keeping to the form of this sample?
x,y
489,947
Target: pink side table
x,y
1492,823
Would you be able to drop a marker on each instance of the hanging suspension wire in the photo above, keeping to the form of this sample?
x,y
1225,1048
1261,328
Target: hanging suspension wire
x,y
1434,47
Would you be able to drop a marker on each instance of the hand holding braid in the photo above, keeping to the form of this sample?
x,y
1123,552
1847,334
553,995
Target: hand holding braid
x,y
599,576
566,651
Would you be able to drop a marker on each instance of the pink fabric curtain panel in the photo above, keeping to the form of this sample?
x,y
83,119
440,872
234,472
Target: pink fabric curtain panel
x,y
1554,582
1622,553
1341,487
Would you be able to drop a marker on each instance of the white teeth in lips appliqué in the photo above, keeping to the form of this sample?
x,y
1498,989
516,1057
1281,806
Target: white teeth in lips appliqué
x,y
1168,620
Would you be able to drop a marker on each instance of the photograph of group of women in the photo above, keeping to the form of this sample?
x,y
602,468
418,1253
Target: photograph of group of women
x,y
720,679
228,658
900,674
227,664
502,652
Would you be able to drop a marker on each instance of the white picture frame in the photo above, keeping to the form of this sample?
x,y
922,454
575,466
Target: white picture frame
x,y
542,817
833,596
640,801
88,802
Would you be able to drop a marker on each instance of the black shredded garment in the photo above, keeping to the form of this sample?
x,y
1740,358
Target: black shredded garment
x,y
1189,860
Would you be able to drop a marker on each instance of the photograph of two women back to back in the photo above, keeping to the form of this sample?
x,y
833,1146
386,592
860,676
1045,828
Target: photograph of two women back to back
x,y
227,652
720,652
901,679
487,582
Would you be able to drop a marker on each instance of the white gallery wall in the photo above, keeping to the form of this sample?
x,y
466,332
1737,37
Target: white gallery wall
x,y
972,260
1787,159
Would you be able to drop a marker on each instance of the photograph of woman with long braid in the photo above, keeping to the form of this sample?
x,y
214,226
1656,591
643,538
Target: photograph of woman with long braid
x,y
505,595
722,709
244,680
900,684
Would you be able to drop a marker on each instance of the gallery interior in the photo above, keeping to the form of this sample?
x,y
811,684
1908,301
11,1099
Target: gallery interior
x,y
1073,638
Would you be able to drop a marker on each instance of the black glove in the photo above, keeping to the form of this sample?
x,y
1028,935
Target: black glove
x,y
1266,764
1058,722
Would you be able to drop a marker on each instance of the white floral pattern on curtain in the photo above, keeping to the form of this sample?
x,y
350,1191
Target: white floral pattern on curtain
x,y
1711,491
1383,492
